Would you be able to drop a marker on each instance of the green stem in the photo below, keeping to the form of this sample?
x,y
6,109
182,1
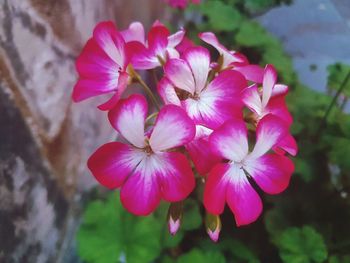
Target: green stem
x,y
333,102
149,92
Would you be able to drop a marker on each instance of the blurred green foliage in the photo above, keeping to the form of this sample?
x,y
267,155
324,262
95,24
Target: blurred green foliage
x,y
309,222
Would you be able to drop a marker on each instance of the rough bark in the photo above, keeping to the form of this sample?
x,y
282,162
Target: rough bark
x,y
45,139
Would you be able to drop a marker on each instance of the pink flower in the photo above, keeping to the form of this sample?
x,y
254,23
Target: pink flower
x,y
159,47
135,32
271,100
102,66
200,152
233,59
186,85
145,170
181,3
228,181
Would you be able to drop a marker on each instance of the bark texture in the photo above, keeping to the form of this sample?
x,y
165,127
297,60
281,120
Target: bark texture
x,y
45,139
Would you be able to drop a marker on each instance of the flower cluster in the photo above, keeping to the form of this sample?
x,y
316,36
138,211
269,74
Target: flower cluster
x,y
182,4
225,122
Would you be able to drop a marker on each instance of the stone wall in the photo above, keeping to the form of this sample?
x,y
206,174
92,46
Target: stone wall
x,y
45,139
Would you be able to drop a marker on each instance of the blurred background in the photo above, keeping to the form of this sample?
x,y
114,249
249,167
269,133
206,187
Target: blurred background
x,y
51,209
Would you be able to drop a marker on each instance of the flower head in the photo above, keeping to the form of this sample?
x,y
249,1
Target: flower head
x,y
145,170
228,181
208,102
159,47
102,66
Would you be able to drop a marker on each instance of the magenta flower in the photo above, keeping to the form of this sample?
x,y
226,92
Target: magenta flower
x,y
186,85
228,181
182,4
233,59
159,47
271,100
145,170
102,66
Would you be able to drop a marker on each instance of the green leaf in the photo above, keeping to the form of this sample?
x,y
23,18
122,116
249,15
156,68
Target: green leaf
x,y
337,74
197,255
109,233
221,17
340,152
302,245
254,6
303,168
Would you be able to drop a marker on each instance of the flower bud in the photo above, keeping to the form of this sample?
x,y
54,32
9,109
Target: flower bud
x,y
174,217
213,225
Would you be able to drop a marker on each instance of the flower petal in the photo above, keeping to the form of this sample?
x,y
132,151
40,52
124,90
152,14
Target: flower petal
x,y
180,74
277,107
252,100
251,72
112,163
176,177
122,85
272,172
241,197
200,151
220,101
198,59
111,42
269,81
158,39
135,32
230,140
269,132
287,144
141,193
228,56
173,128
175,39
128,118
167,92
215,189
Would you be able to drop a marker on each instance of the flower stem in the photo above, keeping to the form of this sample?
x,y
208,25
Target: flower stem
x,y
148,90
333,102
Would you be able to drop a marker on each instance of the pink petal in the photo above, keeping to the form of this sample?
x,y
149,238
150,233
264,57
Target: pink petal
x,y
198,59
287,144
173,128
98,73
215,189
277,107
200,151
269,132
111,42
175,39
128,118
176,177
230,140
180,74
252,100
135,32
158,39
141,193
122,84
184,45
220,101
272,172
279,89
142,57
251,72
269,81
167,92
228,56
112,163
241,197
